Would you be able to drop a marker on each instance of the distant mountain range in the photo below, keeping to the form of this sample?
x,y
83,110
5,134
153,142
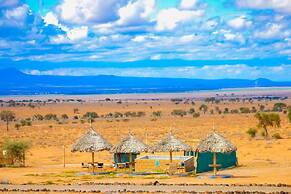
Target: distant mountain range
x,y
14,82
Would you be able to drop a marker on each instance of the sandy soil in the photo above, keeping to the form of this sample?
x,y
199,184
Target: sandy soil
x,y
260,161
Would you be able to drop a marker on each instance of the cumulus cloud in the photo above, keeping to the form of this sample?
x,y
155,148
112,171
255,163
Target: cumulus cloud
x,y
139,39
210,24
188,4
89,11
114,30
283,6
239,22
272,31
169,19
51,19
72,35
16,16
8,3
136,12
188,38
78,33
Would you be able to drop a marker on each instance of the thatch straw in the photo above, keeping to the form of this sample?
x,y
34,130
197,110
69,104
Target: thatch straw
x,y
170,144
91,142
130,144
215,142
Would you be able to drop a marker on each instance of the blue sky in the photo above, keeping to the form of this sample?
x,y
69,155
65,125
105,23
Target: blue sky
x,y
156,38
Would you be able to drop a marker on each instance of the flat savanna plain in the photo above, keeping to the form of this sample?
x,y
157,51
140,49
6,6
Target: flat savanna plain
x,y
260,161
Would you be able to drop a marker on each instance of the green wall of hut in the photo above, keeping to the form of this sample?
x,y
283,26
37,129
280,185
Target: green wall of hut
x,y
124,157
205,159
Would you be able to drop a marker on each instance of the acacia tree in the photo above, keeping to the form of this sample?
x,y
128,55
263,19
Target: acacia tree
x,y
16,150
268,120
203,108
279,106
7,116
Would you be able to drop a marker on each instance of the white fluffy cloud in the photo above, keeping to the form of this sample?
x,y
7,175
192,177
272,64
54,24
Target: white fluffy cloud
x,y
139,39
188,4
277,5
239,22
16,16
168,19
78,33
188,38
8,3
136,12
89,11
273,31
72,35
51,19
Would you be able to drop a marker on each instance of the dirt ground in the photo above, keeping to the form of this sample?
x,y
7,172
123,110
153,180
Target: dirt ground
x,y
260,161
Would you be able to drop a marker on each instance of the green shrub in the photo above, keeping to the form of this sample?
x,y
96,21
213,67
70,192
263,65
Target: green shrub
x,y
178,112
196,115
64,116
191,110
25,122
90,115
17,126
234,111
51,116
252,132
118,115
276,136
16,150
38,117
244,110
157,113
279,107
140,114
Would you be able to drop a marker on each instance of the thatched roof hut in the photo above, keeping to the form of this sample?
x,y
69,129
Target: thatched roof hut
x,y
215,142
91,141
215,151
130,144
170,144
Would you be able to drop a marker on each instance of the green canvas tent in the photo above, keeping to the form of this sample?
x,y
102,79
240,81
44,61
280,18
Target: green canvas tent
x,y
216,151
205,160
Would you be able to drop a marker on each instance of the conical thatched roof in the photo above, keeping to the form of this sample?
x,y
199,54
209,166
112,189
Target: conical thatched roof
x,y
170,143
91,141
215,142
130,144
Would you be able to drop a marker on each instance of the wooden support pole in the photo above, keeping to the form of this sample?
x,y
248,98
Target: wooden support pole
x,y
146,137
214,164
24,158
64,147
93,162
130,162
171,157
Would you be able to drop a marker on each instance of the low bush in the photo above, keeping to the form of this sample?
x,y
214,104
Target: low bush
x,y
196,115
276,136
252,132
179,112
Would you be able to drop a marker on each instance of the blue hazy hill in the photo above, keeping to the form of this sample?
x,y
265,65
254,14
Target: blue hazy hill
x,y
14,82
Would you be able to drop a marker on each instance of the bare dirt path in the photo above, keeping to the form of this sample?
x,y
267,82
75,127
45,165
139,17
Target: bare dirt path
x,y
144,188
